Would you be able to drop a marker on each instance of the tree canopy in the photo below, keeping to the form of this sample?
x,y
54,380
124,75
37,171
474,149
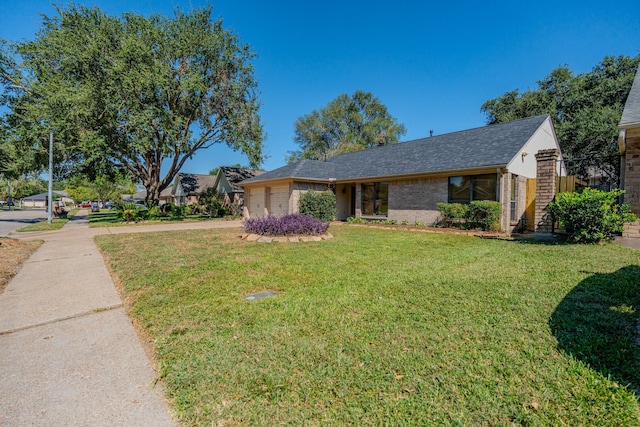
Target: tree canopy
x,y
130,93
586,109
348,123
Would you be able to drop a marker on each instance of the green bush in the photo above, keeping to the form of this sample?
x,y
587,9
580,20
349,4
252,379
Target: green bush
x,y
591,215
482,214
319,205
155,212
211,202
453,211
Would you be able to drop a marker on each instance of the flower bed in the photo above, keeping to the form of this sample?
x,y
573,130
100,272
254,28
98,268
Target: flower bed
x,y
287,225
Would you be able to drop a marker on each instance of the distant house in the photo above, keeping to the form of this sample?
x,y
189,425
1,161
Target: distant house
x,y
226,182
188,186
629,142
406,181
39,200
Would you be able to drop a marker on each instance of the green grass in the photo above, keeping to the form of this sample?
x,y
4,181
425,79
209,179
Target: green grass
x,y
109,218
56,224
387,327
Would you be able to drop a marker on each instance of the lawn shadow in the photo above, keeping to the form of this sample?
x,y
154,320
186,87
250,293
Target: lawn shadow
x,y
597,323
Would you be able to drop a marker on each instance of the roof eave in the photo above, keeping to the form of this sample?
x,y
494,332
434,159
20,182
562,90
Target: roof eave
x,y
445,172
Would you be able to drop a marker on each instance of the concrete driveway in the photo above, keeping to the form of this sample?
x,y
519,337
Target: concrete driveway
x,y
17,218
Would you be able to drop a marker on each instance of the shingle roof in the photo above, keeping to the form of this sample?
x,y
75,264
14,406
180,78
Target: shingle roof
x,y
494,145
193,183
41,196
235,175
631,112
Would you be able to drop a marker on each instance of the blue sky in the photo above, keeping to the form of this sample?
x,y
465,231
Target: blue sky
x,y
432,65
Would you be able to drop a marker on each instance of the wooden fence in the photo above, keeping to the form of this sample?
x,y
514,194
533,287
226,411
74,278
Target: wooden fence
x,y
563,184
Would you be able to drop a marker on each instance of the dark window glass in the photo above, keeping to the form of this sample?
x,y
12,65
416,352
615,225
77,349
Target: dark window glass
x,y
484,187
464,189
375,198
368,197
459,189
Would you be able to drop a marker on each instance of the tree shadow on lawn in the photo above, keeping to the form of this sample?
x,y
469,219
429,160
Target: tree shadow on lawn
x,y
597,323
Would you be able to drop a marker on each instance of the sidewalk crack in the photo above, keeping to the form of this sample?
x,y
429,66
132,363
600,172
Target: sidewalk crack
x,y
62,319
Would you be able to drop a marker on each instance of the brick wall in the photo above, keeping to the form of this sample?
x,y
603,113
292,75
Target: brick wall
x,y
545,191
417,200
632,174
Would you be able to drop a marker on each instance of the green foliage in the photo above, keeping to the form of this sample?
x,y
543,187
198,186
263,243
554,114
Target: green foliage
x,y
453,211
482,214
319,205
346,124
22,187
358,220
129,92
485,214
130,212
585,108
211,203
591,215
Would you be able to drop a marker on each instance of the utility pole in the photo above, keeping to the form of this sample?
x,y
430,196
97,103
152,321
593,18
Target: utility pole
x,y
50,193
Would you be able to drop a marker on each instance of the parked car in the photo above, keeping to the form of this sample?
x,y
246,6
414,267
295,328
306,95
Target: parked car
x,y
84,205
95,207
108,205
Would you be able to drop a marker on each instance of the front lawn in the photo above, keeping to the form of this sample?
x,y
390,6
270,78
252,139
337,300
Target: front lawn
x,y
386,327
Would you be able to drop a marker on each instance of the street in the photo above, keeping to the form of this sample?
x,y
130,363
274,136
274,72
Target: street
x,y
17,218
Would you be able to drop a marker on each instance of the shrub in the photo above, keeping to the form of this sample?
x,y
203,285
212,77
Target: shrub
x,y
453,211
590,215
319,205
484,214
155,212
286,225
211,202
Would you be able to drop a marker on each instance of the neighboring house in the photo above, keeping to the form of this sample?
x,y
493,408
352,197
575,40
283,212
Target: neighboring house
x,y
406,181
166,196
188,186
226,182
629,142
39,200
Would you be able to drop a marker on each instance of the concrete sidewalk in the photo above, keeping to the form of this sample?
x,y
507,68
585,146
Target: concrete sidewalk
x,y
69,355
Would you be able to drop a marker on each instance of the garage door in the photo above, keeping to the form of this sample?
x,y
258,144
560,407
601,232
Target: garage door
x,y
279,201
256,202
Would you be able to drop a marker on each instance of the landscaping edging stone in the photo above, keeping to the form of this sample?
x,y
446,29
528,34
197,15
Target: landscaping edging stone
x,y
283,239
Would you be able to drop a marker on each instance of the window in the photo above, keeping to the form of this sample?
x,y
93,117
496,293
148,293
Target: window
x,y
514,197
464,189
375,198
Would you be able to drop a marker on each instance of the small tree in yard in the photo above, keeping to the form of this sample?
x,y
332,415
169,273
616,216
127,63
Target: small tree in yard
x,y
320,205
591,215
211,201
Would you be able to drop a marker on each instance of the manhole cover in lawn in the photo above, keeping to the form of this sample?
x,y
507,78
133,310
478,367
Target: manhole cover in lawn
x,y
260,295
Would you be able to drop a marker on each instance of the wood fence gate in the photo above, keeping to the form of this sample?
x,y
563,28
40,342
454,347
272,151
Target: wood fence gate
x,y
563,184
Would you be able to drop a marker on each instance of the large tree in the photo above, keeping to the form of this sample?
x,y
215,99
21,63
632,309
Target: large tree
x,y
348,123
133,93
586,109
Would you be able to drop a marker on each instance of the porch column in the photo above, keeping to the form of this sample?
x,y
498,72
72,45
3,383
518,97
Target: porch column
x,y
545,192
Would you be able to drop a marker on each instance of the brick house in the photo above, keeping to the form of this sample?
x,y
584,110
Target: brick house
x,y
188,186
629,142
406,181
226,182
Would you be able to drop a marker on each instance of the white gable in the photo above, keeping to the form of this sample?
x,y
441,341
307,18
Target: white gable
x,y
524,163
